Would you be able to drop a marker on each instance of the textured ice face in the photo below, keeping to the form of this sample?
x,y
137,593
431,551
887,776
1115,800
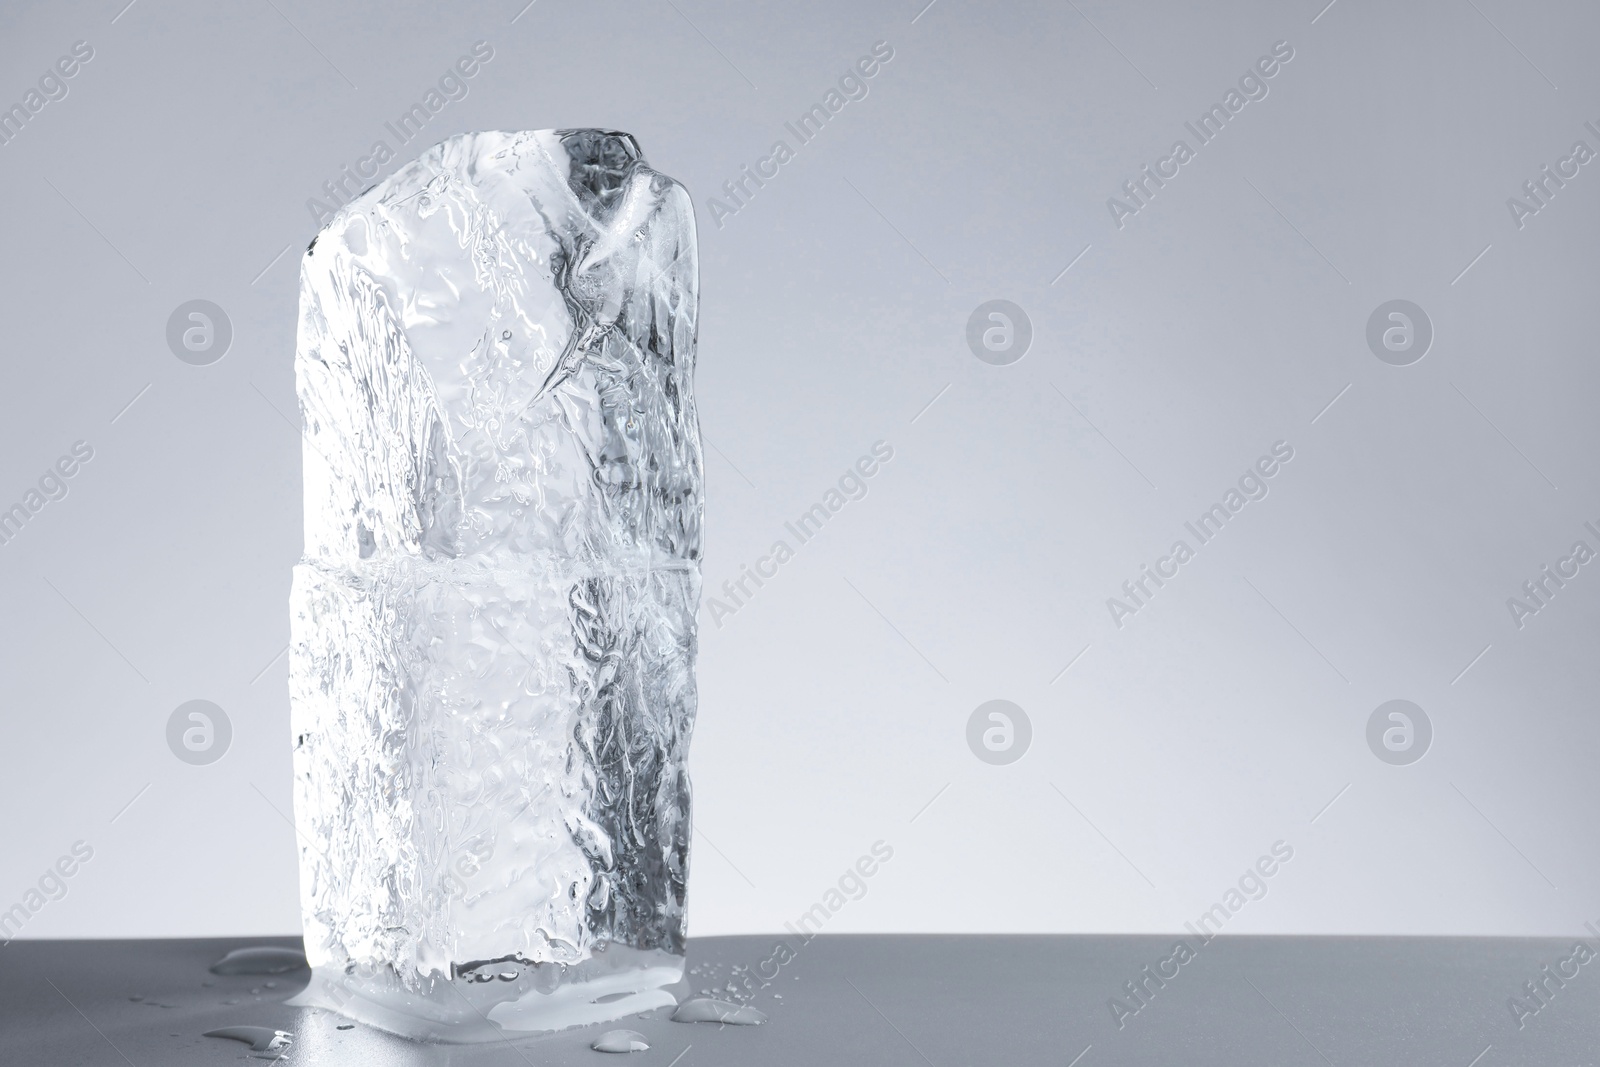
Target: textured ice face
x,y
495,355
493,627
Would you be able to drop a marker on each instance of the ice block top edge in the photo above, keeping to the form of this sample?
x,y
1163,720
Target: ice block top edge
x,y
495,355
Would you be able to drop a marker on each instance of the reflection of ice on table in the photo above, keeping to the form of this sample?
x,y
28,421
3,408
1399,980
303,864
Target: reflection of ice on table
x,y
493,625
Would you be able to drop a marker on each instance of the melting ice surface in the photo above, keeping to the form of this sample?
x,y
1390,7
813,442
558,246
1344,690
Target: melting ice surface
x,y
493,626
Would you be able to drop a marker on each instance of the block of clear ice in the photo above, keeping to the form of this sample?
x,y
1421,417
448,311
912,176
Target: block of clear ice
x,y
493,626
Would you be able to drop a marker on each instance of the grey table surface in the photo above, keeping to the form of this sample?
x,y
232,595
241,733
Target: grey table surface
x,y
939,1000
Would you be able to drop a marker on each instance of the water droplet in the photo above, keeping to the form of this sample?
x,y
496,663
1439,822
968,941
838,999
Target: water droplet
x,y
508,976
259,1038
707,1010
620,1041
259,959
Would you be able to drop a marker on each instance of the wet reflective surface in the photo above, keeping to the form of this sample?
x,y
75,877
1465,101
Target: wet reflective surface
x,y
943,1000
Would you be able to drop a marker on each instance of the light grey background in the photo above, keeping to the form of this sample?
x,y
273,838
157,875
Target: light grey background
x,y
1230,713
